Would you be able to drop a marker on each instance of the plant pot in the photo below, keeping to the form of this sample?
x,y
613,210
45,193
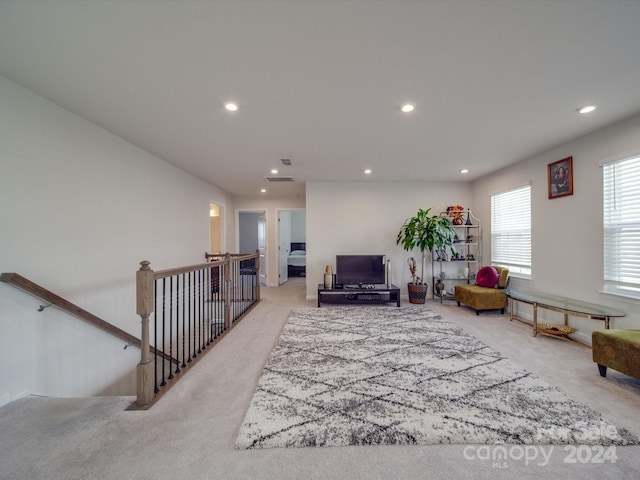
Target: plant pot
x,y
417,292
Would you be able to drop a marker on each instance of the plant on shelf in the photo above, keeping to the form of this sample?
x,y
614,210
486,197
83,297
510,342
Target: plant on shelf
x,y
426,233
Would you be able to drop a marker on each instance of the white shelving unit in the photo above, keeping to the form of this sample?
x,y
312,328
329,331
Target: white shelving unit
x,y
447,271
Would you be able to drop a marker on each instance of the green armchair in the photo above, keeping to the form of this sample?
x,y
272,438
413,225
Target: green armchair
x,y
485,298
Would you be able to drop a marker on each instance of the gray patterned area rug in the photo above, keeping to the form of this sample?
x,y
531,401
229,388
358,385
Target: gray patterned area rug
x,y
378,376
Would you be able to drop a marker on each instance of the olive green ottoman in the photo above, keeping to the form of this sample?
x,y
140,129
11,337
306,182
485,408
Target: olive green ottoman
x,y
617,349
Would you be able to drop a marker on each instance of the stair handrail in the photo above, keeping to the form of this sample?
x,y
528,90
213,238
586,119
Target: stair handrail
x,y
65,305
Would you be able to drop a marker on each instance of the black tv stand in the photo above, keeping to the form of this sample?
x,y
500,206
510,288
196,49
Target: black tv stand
x,y
353,295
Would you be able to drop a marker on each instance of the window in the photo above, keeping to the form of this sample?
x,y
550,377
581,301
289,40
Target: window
x,y
511,230
621,209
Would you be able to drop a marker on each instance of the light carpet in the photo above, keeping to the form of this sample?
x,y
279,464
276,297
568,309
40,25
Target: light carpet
x,y
379,375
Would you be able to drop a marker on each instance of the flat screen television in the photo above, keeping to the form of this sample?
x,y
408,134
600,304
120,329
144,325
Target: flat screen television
x,y
355,270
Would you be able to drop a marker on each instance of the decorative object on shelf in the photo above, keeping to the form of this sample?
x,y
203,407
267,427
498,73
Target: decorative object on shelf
x,y
455,212
439,287
468,252
426,233
468,222
560,178
328,276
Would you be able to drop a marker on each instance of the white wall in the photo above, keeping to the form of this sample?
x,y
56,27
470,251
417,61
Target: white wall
x,y
364,218
567,232
271,206
80,209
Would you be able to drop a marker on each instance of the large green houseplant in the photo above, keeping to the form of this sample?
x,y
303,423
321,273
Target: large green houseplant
x,y
426,233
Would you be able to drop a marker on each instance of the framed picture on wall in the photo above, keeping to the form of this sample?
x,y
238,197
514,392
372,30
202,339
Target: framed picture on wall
x,y
560,178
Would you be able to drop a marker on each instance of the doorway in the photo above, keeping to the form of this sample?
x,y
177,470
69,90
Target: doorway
x,y
292,234
252,236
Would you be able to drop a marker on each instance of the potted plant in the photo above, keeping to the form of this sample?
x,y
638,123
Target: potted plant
x,y
426,233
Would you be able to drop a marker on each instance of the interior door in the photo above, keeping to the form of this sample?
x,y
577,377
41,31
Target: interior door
x,y
284,245
262,248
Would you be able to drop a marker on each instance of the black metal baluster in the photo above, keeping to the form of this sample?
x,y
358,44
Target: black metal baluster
x,y
234,276
190,286
177,324
234,286
219,318
194,333
209,300
210,305
170,326
184,330
234,289
164,344
203,319
155,335
236,283
199,311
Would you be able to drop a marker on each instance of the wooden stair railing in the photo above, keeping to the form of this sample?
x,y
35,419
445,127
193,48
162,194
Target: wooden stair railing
x,y
195,307
36,290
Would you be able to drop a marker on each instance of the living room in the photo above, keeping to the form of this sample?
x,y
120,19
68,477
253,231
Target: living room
x,y
57,220
82,206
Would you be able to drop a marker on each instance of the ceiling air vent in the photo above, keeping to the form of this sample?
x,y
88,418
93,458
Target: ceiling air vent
x,y
279,179
286,161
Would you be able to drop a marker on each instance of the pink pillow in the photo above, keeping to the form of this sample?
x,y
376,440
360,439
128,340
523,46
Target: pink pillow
x,y
487,277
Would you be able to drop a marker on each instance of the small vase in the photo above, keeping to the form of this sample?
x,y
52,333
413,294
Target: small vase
x,y
466,272
328,277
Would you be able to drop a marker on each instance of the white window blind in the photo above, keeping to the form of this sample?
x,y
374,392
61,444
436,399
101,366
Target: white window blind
x,y
621,209
511,230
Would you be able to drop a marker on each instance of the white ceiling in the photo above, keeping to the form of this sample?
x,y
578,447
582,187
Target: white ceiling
x,y
322,82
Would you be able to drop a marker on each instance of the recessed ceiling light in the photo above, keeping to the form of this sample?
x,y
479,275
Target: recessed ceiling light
x,y
464,170
368,171
263,190
407,107
274,170
232,107
587,109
